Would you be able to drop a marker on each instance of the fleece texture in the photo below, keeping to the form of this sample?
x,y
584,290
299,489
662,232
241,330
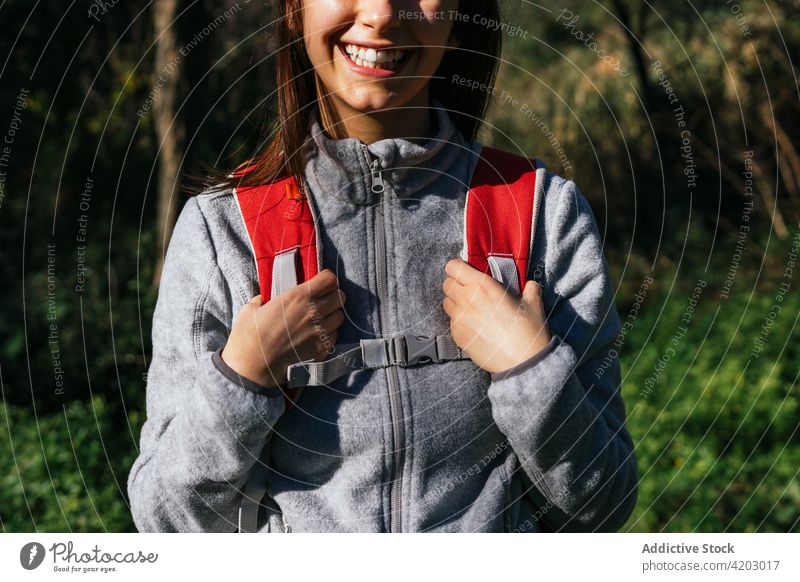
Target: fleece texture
x,y
539,447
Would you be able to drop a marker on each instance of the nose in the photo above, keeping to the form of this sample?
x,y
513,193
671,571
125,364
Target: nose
x,y
378,15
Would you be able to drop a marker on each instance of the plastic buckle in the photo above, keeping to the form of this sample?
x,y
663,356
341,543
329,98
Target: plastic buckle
x,y
298,374
420,349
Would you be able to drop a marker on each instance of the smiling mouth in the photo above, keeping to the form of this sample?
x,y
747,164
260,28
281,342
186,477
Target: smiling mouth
x,y
390,60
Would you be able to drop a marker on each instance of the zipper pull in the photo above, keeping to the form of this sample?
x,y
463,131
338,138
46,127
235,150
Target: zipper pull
x,y
286,527
377,179
375,171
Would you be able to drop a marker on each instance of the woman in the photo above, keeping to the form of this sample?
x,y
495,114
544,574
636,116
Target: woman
x,y
525,434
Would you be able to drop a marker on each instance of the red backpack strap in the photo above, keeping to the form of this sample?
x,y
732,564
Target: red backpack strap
x,y
500,215
280,225
279,222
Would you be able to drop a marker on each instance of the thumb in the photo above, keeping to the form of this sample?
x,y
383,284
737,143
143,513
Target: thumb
x,y
532,288
532,293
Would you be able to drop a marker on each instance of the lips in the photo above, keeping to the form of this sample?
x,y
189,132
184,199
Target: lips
x,y
389,59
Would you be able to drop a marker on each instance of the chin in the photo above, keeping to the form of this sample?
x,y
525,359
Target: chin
x,y
375,102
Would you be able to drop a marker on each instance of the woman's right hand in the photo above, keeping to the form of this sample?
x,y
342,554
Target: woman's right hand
x,y
299,324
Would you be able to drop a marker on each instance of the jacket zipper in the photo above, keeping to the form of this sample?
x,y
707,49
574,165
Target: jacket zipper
x,y
395,405
375,173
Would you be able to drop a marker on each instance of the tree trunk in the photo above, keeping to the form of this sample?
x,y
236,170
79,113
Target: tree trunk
x,y
635,42
168,129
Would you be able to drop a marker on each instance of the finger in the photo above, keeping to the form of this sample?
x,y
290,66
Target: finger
x,y
463,272
452,288
322,283
328,325
329,303
333,321
533,288
449,306
258,301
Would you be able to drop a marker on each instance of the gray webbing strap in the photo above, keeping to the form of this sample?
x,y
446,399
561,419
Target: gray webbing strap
x,y
400,350
254,492
346,358
284,277
504,269
284,271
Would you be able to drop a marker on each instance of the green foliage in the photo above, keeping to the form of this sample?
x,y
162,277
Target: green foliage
x,y
717,433
619,133
67,470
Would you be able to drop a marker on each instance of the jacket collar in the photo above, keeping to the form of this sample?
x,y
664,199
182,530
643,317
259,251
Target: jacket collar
x,y
341,167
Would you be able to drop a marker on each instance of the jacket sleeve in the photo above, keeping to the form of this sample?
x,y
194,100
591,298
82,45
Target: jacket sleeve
x,y
204,430
562,409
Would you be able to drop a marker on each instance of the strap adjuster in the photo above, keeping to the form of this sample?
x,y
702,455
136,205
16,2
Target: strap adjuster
x,y
409,350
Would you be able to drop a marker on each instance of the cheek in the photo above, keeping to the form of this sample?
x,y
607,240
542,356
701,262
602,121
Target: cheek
x,y
434,36
321,19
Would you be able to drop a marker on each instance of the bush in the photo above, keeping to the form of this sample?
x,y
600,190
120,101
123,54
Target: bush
x,y
717,434
65,471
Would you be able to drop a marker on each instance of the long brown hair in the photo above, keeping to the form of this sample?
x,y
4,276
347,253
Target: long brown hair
x,y
476,58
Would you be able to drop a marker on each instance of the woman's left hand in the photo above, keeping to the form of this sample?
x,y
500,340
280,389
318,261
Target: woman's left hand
x,y
494,328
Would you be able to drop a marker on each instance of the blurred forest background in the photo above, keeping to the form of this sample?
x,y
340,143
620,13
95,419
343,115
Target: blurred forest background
x,y
678,120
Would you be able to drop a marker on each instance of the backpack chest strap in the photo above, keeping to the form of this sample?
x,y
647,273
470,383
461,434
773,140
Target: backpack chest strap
x,y
399,350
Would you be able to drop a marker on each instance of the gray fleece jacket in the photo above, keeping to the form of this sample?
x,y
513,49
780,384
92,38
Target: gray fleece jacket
x,y
540,447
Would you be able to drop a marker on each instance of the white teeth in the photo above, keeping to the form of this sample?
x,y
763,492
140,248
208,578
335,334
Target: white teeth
x,y
370,57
